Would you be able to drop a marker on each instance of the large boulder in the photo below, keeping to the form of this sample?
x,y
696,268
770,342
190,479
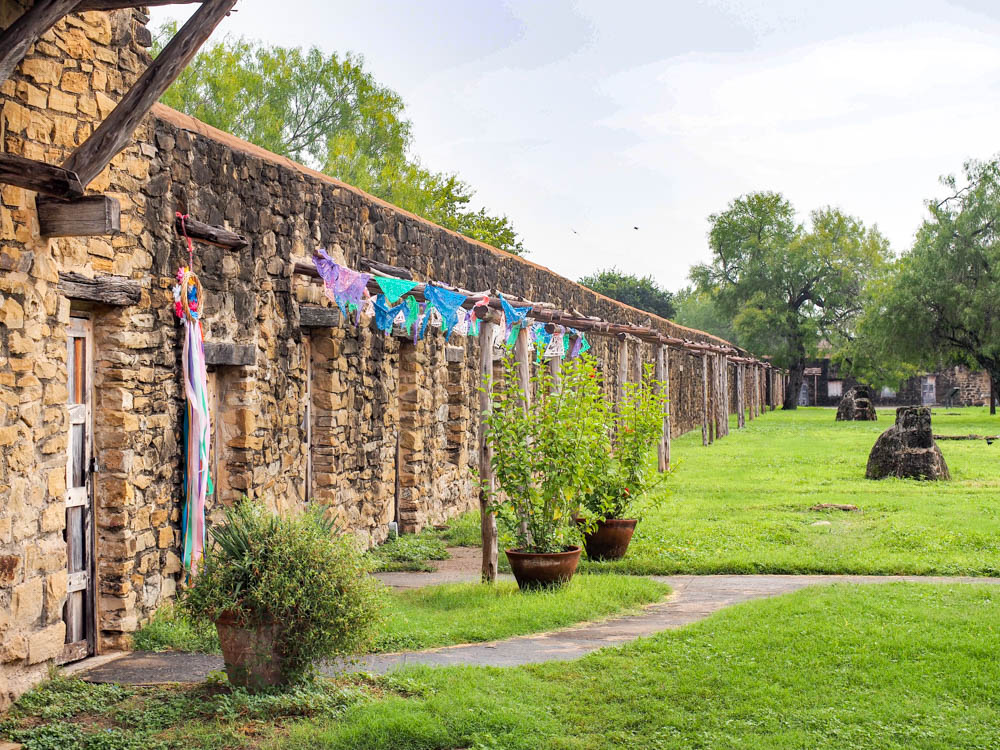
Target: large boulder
x,y
857,405
907,449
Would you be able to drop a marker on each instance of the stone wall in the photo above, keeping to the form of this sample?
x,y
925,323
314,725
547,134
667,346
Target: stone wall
x,y
68,81
376,428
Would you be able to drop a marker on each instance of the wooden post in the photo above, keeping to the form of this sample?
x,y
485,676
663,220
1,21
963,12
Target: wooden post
x,y
756,390
704,399
20,35
741,396
622,366
488,522
662,375
112,135
522,352
555,370
725,393
635,365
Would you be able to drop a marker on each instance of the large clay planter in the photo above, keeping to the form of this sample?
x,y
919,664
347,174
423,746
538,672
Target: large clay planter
x,y
250,654
610,540
540,570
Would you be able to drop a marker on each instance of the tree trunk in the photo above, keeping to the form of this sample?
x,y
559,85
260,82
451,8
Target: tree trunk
x,y
993,396
795,377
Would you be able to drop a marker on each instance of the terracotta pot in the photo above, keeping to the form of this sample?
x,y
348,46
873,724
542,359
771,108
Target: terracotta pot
x,y
610,540
539,570
251,656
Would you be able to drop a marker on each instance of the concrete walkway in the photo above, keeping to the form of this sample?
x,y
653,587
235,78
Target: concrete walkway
x,y
694,598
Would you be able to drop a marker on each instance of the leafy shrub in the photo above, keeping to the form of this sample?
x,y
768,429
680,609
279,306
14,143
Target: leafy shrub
x,y
290,570
543,454
624,474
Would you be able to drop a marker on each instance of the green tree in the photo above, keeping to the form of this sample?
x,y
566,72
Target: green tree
x,y
641,292
699,310
787,288
329,113
942,304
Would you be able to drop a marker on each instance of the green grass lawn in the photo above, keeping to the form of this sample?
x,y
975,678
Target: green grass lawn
x,y
742,504
454,613
898,666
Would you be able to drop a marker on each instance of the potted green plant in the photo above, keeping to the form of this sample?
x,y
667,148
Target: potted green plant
x,y
542,454
624,474
283,592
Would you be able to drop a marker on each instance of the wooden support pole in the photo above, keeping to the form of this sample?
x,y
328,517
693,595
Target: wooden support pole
x,y
90,216
488,522
704,399
40,177
622,367
636,364
25,31
741,396
522,354
662,376
726,395
555,370
112,135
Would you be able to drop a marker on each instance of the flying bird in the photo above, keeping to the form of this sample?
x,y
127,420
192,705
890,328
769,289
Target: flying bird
x,y
636,228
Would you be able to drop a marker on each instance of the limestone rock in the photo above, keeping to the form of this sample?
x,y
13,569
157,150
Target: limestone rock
x,y
907,449
857,405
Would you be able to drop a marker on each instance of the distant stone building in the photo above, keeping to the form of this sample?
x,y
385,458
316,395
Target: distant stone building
x,y
824,385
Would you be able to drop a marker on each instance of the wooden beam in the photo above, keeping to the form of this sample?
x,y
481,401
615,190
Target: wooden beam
x,y
107,290
233,355
487,483
316,316
119,4
25,31
90,159
90,216
39,176
386,270
202,232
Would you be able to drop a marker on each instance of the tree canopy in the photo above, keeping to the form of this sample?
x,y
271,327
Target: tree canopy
x,y
699,310
641,292
787,287
942,303
328,112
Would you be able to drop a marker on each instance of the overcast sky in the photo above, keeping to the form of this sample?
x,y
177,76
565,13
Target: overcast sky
x,y
582,120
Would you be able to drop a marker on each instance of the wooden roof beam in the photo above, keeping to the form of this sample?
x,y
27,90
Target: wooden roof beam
x,y
90,159
40,177
119,4
202,232
107,290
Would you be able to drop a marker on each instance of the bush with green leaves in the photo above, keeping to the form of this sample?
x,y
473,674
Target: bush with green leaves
x,y
543,453
625,474
292,570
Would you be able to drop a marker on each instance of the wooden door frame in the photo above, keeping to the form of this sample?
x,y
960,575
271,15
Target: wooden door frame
x,y
81,325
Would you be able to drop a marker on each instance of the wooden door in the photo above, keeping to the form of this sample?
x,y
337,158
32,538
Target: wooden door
x,y
79,611
928,390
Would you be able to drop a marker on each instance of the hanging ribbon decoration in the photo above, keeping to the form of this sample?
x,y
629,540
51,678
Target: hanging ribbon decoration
x,y
189,299
394,289
344,286
514,319
447,303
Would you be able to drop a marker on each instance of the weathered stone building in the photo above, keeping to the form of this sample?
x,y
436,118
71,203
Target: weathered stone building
x,y
824,385
91,401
